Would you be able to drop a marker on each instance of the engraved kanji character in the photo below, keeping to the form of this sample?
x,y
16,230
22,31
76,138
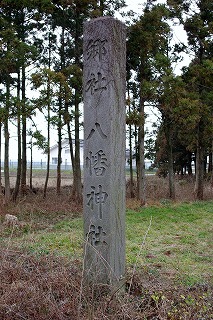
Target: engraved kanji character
x,y
96,49
96,235
97,129
96,83
98,198
97,162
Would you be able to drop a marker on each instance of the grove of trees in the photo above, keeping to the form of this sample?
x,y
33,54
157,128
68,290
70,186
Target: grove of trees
x,y
41,50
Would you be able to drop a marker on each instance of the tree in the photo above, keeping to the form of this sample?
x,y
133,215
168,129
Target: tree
x,y
170,94
197,17
20,19
147,41
48,82
7,66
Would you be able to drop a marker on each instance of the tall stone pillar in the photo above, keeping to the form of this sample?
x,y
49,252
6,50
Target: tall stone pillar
x,y
104,150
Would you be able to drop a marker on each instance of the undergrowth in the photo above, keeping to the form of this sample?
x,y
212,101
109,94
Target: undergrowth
x,y
48,287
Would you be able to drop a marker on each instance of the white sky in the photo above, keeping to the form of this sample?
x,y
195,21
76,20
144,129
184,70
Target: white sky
x,y
136,6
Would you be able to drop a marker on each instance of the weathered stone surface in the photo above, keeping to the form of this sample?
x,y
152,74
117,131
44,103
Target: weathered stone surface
x,y
104,150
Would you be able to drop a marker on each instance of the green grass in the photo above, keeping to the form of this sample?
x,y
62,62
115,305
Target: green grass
x,y
172,241
179,243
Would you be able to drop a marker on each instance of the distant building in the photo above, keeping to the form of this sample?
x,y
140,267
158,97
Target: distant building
x,y
148,163
65,154
66,159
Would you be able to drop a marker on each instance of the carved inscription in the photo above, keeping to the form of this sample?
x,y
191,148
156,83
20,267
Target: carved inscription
x,y
104,148
96,82
97,198
97,129
96,235
97,163
96,49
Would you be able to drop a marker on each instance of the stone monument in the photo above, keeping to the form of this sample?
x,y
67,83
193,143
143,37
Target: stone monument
x,y
104,150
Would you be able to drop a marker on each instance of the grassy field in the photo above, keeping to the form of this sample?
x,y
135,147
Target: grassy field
x,y
178,242
169,258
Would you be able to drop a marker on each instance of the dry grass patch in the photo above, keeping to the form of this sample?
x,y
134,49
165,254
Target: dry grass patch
x,y
47,287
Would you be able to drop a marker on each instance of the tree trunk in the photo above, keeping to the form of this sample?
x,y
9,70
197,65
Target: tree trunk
x,y
189,163
48,140
198,189
67,121
137,159
205,165
131,181
171,176
131,163
170,163
199,173
210,163
58,189
31,165
62,57
6,144
77,186
48,122
24,136
6,163
18,172
141,173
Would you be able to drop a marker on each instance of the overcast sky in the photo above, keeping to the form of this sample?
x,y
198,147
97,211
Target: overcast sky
x,y
135,5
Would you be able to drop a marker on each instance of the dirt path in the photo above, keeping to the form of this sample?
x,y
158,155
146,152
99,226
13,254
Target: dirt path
x,y
39,181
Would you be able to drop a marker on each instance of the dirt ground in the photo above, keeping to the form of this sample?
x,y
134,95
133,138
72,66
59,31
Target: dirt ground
x,y
39,181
